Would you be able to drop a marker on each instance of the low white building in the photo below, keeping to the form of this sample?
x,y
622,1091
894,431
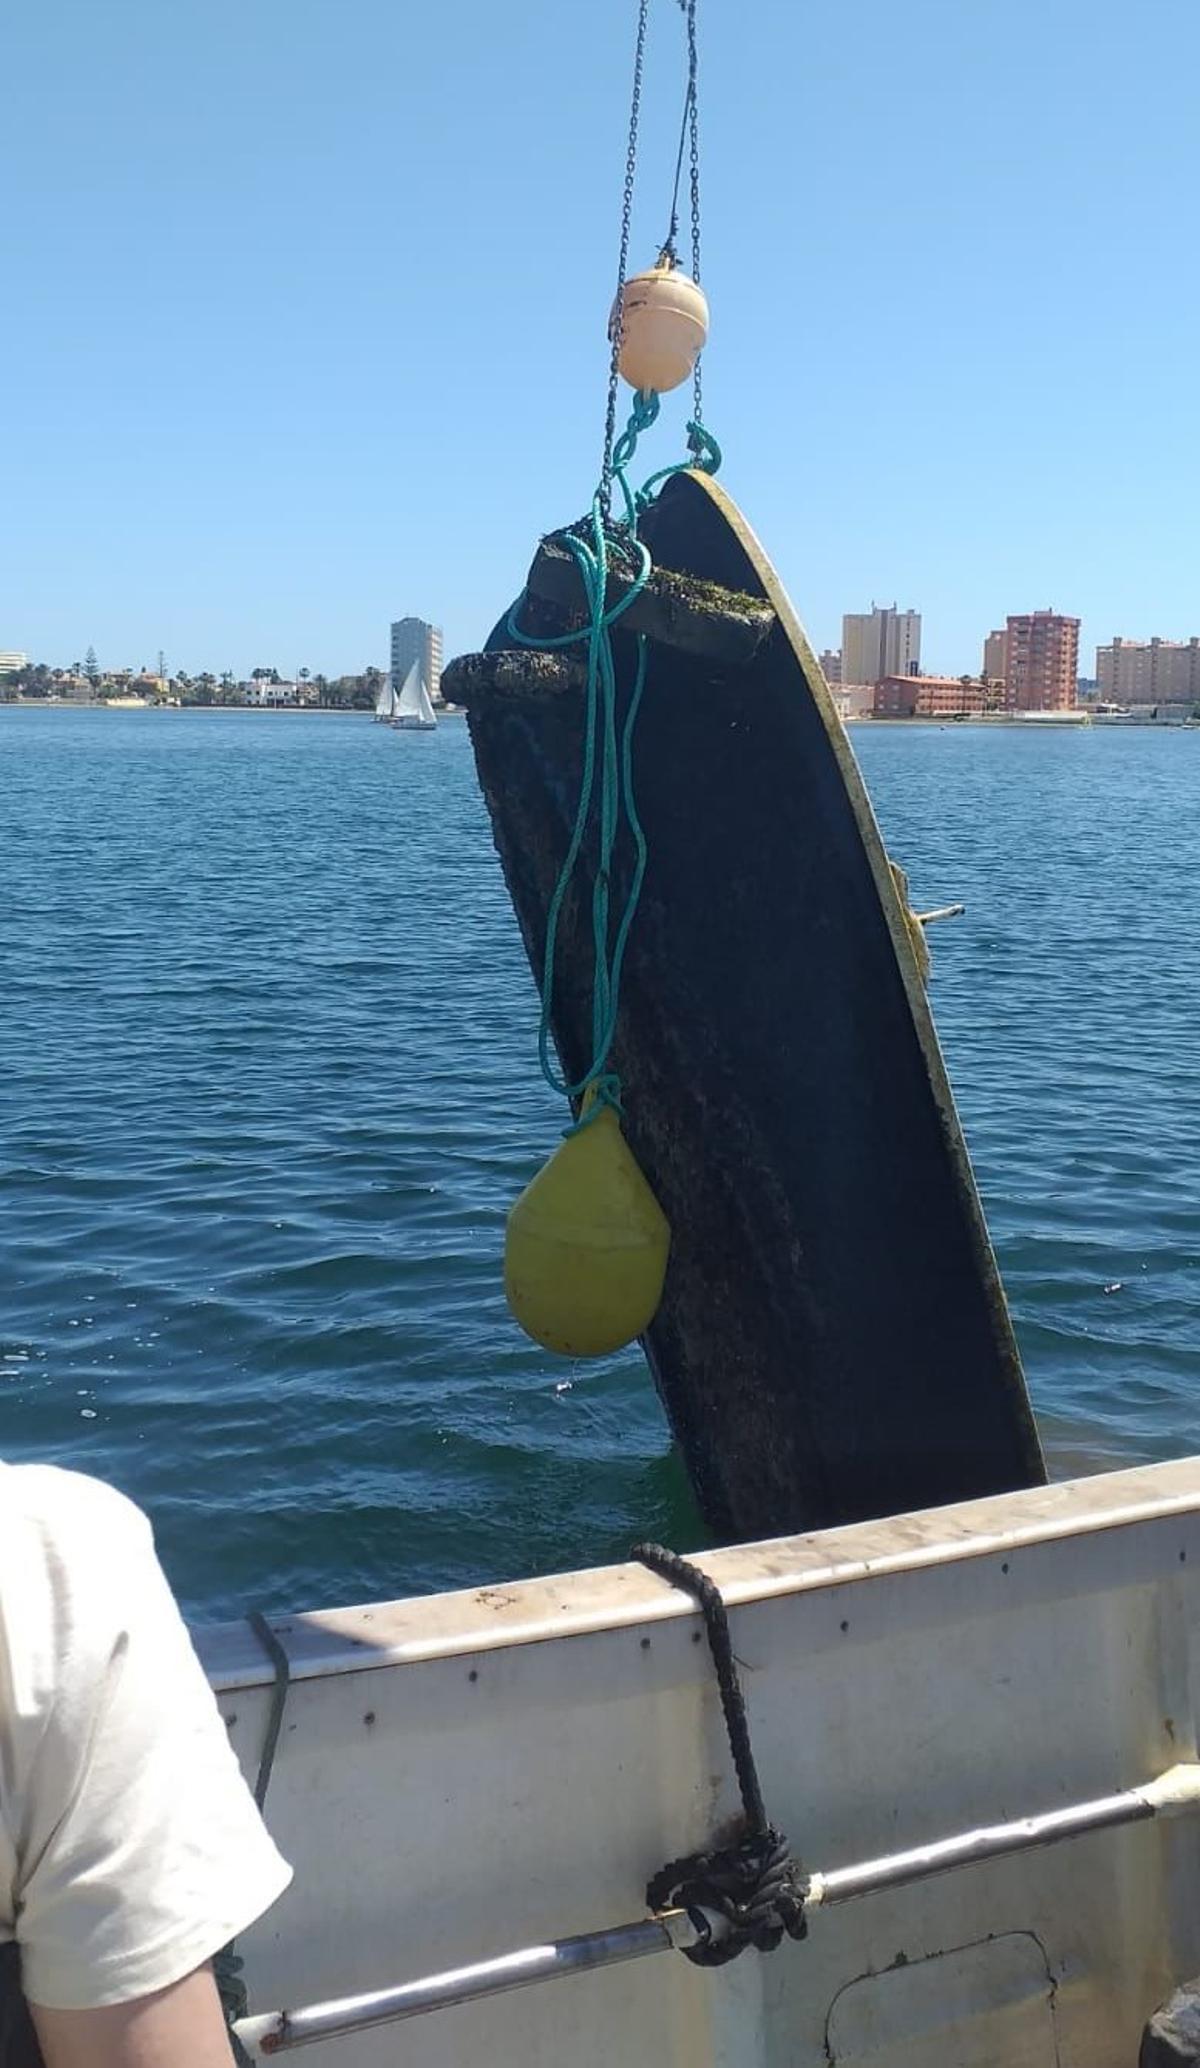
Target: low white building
x,y
275,694
12,662
854,700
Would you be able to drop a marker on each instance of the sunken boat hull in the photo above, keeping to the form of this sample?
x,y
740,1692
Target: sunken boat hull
x,y
833,1342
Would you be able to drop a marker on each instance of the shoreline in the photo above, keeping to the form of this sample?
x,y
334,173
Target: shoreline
x,y
447,711
1031,724
204,710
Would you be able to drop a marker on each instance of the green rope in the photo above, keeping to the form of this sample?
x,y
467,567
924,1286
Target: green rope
x,y
616,797
599,1087
705,459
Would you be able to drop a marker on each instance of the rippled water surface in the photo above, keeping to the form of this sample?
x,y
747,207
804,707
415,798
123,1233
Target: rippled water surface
x,y
269,1084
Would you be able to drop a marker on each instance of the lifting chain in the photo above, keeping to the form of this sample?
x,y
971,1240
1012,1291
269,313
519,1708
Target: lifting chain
x,y
618,324
689,139
693,121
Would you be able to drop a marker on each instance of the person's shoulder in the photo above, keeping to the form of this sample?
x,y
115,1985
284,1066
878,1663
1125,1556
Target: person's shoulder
x,y
83,1603
77,1563
68,1511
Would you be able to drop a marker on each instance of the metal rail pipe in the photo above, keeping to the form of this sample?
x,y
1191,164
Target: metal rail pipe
x,y
1174,1793
279,2031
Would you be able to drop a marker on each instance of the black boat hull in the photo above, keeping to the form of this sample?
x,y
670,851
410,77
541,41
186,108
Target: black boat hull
x,y
833,1341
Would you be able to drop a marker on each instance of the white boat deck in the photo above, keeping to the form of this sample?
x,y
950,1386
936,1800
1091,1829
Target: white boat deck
x,y
465,1774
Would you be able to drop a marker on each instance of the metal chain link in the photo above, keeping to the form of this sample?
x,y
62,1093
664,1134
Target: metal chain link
x,y
694,143
617,326
691,129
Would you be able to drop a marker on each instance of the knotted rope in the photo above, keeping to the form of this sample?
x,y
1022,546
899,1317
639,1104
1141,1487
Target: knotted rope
x,y
755,1884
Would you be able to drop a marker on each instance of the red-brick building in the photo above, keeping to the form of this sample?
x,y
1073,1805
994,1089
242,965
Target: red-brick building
x,y
1041,662
929,696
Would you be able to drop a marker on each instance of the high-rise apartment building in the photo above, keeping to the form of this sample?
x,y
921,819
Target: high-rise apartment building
x,y
1041,661
414,640
881,641
995,656
1149,671
831,665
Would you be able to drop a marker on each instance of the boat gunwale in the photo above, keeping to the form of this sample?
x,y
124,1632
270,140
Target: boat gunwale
x,y
593,1600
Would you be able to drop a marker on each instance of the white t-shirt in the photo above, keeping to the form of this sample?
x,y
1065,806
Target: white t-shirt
x,y
130,1846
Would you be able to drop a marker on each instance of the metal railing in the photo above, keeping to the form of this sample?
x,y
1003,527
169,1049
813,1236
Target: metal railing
x,y
1174,1793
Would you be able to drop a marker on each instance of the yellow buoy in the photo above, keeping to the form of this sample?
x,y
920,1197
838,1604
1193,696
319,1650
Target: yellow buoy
x,y
586,1249
665,327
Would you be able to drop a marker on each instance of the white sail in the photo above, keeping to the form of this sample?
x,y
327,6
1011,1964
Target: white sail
x,y
424,707
385,702
413,708
408,703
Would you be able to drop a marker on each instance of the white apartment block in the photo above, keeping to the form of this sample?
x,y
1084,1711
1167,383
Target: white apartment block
x,y
881,641
414,640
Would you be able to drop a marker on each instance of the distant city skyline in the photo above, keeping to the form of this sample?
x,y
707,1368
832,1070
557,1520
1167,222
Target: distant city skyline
x,y
1136,669
242,419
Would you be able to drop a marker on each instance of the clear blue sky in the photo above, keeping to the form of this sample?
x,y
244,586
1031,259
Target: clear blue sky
x,y
304,310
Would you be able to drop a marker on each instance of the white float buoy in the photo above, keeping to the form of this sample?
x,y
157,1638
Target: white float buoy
x,y
665,327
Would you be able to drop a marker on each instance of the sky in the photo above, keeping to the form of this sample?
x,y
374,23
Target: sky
x,y
304,308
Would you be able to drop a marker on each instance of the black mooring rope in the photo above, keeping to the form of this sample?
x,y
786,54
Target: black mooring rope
x,y
279,1692
227,1965
755,1884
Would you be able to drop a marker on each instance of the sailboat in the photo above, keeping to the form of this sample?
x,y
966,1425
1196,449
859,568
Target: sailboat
x,y
386,704
413,711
